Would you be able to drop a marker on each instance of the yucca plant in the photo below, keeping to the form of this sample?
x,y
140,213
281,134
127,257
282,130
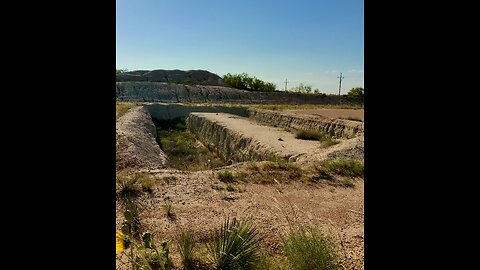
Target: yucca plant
x,y
235,246
186,245
127,192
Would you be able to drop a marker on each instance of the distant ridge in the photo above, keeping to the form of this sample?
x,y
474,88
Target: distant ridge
x,y
192,77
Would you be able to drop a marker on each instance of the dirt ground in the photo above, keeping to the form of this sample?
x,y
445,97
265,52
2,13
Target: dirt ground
x,y
338,211
331,113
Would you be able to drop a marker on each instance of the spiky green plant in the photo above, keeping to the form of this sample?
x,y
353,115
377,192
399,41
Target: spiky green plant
x,y
235,246
127,192
186,245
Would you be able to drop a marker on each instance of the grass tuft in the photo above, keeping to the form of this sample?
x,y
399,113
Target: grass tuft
x,y
226,177
314,135
345,167
186,245
308,248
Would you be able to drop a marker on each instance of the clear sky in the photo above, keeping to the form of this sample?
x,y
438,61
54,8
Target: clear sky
x,y
303,41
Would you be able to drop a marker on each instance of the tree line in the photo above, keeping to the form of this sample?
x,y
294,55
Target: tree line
x,y
245,82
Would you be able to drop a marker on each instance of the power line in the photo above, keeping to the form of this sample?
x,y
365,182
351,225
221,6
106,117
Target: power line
x,y
286,82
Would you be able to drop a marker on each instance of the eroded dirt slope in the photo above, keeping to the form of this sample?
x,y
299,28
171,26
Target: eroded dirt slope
x,y
135,142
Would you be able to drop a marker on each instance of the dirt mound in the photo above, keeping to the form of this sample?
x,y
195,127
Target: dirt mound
x,y
135,142
201,77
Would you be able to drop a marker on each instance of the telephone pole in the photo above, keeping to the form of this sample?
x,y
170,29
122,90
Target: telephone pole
x,y
340,84
286,85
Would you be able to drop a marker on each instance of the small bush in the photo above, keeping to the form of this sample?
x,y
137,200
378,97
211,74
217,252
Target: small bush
x,y
146,181
235,246
251,166
347,182
325,139
308,248
310,135
329,141
182,148
225,176
240,176
346,167
186,245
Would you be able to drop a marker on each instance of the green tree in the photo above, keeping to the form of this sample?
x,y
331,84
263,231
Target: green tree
x,y
244,81
302,88
120,71
356,93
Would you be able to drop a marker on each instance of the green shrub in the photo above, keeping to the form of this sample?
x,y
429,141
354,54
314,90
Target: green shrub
x,y
347,167
347,182
244,81
235,246
308,248
225,176
310,135
356,94
328,141
182,148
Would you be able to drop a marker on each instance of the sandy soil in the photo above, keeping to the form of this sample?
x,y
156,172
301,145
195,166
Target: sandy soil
x,y
200,208
331,113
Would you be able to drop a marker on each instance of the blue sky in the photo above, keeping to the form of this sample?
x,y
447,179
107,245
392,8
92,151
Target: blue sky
x,y
308,42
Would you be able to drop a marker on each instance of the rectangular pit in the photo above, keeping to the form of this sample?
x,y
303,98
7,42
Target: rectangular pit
x,y
241,139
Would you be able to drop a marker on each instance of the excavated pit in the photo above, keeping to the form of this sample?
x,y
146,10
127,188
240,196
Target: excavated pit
x,y
183,149
159,136
243,139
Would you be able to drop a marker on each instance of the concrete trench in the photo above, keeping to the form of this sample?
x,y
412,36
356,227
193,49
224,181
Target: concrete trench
x,y
236,134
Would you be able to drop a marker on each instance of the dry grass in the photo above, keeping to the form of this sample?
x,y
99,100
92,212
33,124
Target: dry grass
x,y
123,107
269,172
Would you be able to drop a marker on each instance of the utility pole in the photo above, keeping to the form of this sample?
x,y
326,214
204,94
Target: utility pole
x,y
286,85
340,84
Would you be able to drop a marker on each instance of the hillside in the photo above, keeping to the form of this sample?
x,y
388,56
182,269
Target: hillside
x,y
201,77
